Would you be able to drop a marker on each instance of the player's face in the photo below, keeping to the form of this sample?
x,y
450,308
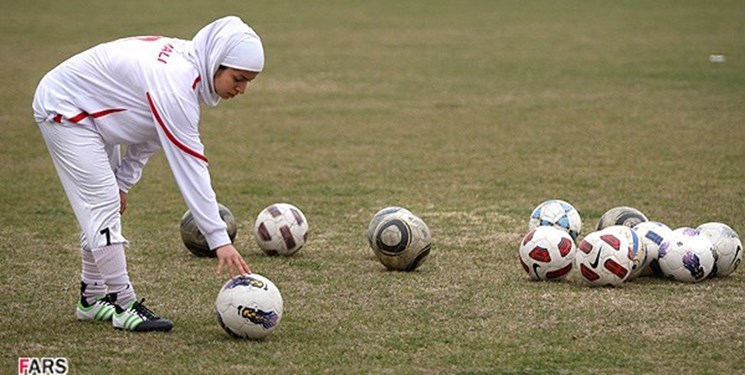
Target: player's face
x,y
230,82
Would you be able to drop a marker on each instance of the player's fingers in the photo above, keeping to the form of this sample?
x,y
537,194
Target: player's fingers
x,y
236,269
219,266
232,268
244,268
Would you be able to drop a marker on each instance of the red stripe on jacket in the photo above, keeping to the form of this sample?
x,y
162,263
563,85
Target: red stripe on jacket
x,y
82,115
170,136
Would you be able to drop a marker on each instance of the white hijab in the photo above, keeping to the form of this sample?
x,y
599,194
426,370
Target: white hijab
x,y
230,42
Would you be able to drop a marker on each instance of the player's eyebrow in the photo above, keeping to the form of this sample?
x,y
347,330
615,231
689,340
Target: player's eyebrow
x,y
243,77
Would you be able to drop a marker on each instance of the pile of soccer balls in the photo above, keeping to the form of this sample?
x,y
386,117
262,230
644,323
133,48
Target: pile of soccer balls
x,y
251,306
624,246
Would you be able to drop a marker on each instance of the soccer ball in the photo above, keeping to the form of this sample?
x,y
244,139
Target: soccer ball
x,y
628,216
727,247
637,248
652,233
281,229
557,213
194,239
249,306
378,217
547,253
604,258
686,255
401,241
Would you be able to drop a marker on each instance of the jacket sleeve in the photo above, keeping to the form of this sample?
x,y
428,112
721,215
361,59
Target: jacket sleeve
x,y
176,116
134,160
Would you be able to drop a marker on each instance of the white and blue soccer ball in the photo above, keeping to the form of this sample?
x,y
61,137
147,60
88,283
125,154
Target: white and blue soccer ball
x,y
604,258
727,247
652,233
686,255
547,253
249,306
557,213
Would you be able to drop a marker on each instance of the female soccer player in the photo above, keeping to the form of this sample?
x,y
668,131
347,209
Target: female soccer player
x,y
143,92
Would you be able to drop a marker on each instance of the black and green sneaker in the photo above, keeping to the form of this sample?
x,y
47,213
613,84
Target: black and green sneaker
x,y
138,318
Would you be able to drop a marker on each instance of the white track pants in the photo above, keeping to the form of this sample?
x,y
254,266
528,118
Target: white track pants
x,y
85,166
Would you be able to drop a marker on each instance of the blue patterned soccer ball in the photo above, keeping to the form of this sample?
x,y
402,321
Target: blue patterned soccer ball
x,y
559,214
249,306
652,233
686,255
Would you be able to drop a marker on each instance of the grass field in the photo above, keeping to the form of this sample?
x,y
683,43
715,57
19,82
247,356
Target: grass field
x,y
469,113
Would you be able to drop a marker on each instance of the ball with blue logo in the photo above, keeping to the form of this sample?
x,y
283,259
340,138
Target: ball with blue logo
x,y
652,234
249,306
687,255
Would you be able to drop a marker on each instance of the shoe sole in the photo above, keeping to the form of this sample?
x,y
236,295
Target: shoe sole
x,y
145,330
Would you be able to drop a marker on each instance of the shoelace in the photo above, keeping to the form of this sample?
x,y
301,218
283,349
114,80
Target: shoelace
x,y
140,308
109,298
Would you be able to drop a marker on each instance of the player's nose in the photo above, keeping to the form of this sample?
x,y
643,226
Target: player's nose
x,y
241,88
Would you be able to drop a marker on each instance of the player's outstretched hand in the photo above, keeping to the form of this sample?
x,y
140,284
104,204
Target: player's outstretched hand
x,y
230,258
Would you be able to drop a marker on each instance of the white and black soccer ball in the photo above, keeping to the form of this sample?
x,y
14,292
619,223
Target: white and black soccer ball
x,y
547,253
401,241
604,258
623,215
378,217
727,247
687,255
194,239
249,306
281,229
652,233
559,214
637,248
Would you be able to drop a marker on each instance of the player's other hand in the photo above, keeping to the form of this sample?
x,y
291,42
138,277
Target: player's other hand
x,y
123,202
230,258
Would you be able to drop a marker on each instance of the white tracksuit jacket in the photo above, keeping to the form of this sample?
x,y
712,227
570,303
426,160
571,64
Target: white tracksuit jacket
x,y
142,92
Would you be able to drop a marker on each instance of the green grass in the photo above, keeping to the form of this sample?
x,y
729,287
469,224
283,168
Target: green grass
x,y
469,113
